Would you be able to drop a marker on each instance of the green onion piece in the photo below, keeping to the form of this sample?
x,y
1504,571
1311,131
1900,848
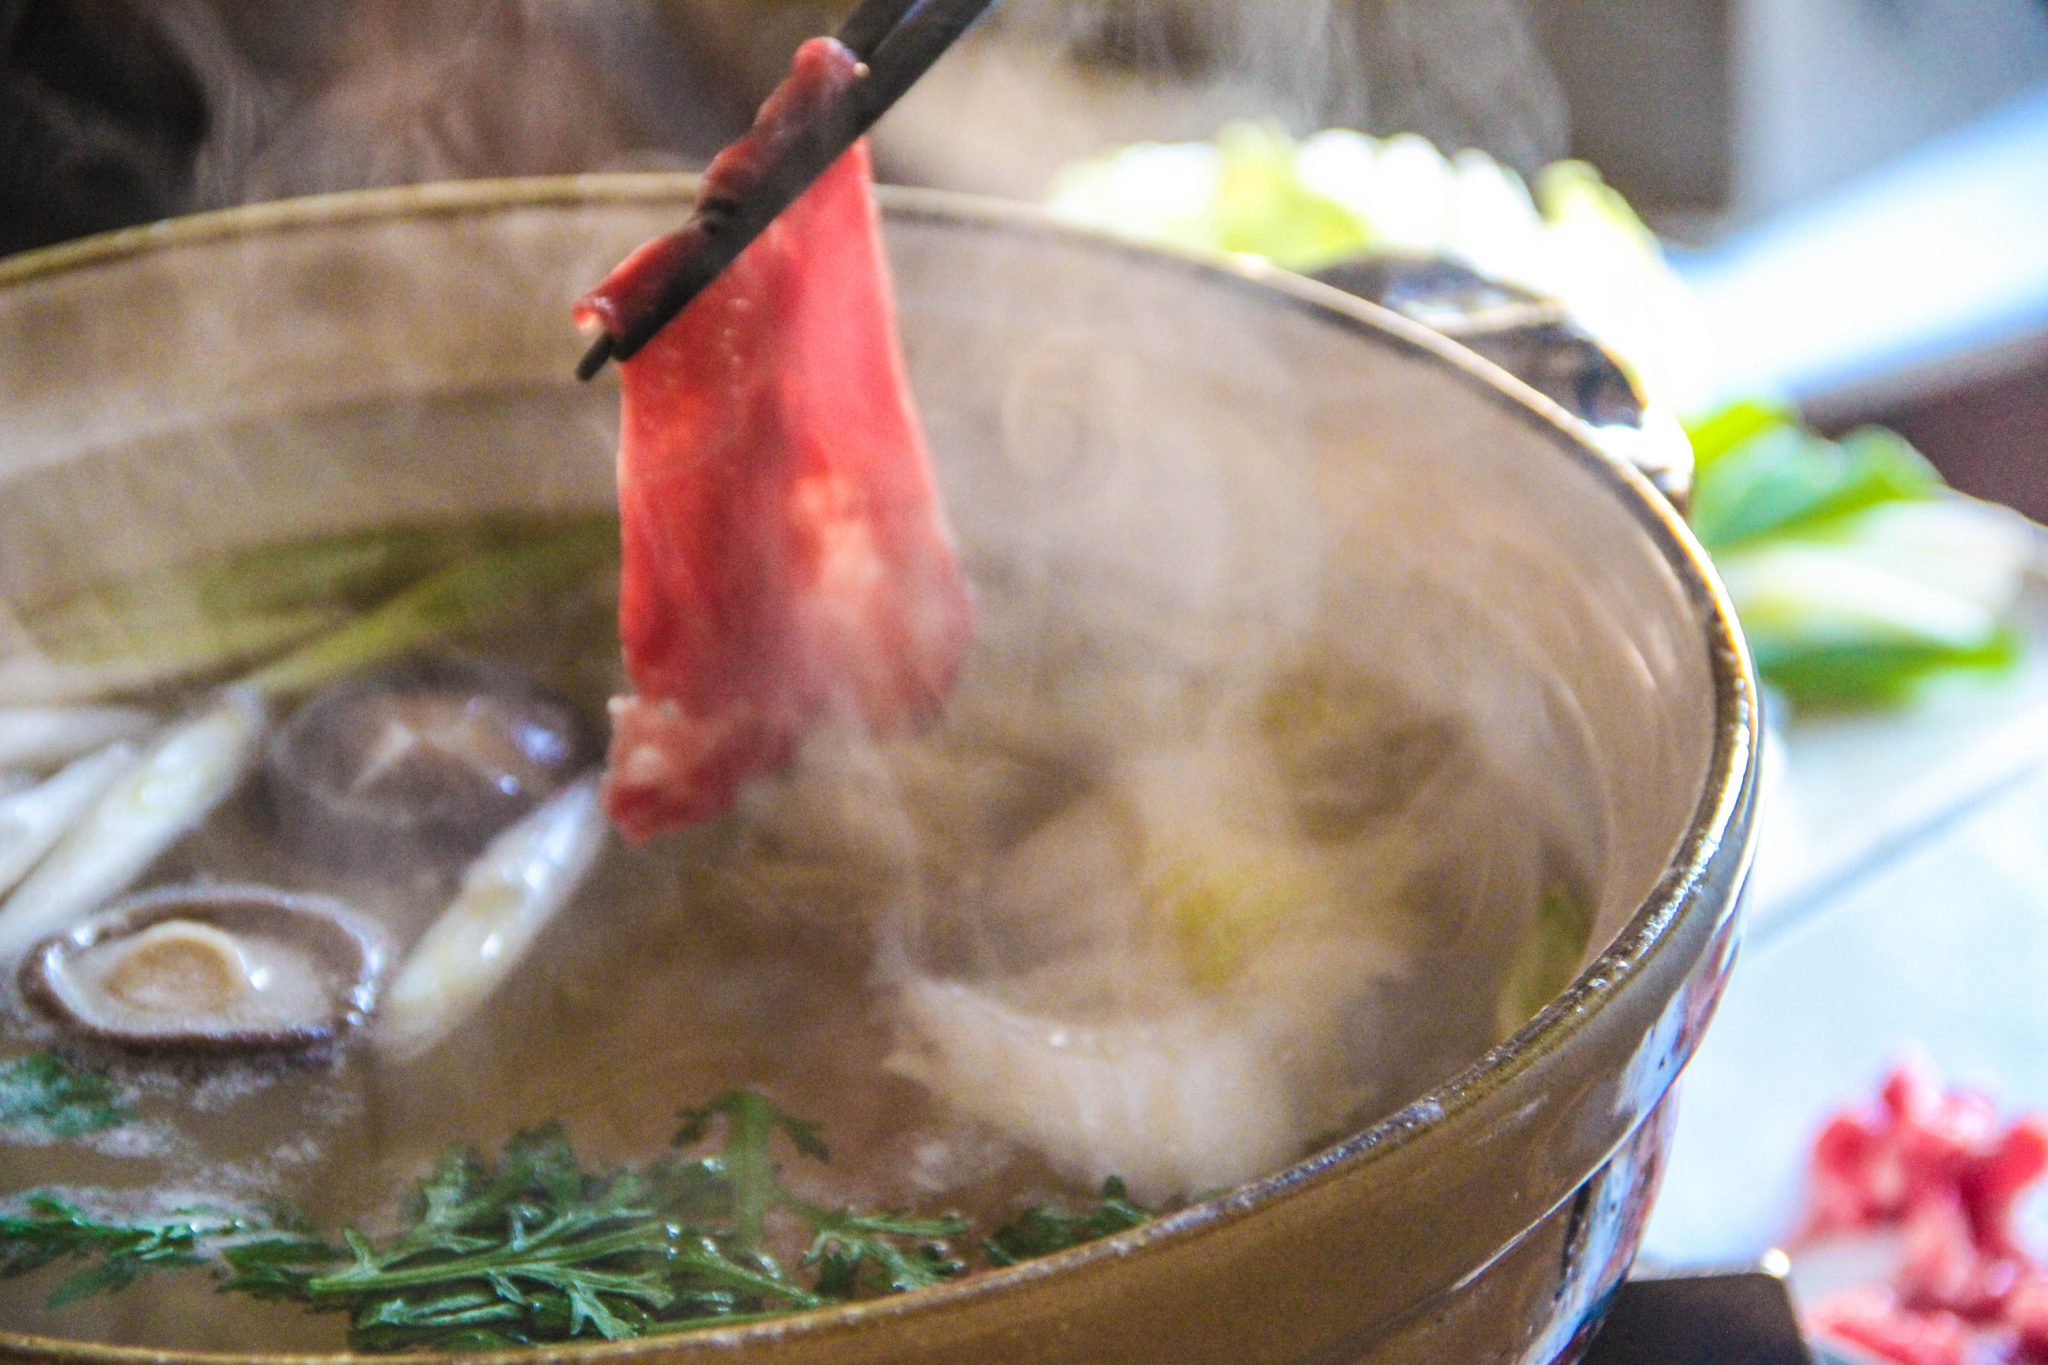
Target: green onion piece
x,y
156,656
182,623
39,736
510,893
191,769
357,568
489,585
32,821
129,615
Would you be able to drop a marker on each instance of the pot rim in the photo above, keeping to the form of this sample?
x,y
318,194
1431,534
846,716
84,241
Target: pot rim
x,y
1722,812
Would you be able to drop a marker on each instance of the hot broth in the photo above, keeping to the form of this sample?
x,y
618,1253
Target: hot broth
x,y
1175,887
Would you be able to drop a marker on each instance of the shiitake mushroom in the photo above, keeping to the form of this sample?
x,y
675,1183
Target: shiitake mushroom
x,y
418,765
210,969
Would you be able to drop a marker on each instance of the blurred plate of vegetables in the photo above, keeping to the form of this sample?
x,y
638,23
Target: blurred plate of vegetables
x,y
1893,621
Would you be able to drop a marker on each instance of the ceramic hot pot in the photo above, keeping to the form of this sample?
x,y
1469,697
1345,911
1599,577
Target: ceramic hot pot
x,y
1119,401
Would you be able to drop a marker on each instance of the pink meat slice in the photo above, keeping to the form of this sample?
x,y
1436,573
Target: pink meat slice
x,y
1939,1167
786,560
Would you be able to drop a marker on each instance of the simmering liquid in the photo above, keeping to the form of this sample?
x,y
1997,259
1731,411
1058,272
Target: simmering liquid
x,y
1144,815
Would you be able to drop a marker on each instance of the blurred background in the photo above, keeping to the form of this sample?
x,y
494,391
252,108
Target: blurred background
x,y
1857,190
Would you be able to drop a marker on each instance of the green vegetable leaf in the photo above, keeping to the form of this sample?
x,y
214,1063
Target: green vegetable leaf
x,y
1263,208
42,1092
1244,193
750,1124
1858,579
859,1254
47,1230
1876,673
1046,1228
752,1118
1786,478
535,1247
275,1267
1733,425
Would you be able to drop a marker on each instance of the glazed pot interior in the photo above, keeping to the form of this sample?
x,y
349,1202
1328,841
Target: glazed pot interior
x,y
1230,471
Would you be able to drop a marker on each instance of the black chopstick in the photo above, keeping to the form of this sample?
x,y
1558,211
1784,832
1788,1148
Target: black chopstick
x,y
871,22
897,41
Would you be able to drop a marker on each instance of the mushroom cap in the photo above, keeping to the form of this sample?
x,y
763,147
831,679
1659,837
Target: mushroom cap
x,y
221,969
419,764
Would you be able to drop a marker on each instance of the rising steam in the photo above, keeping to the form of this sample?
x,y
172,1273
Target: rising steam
x,y
205,104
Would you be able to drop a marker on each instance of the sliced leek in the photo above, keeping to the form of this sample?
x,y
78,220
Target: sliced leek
x,y
190,769
510,893
33,819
